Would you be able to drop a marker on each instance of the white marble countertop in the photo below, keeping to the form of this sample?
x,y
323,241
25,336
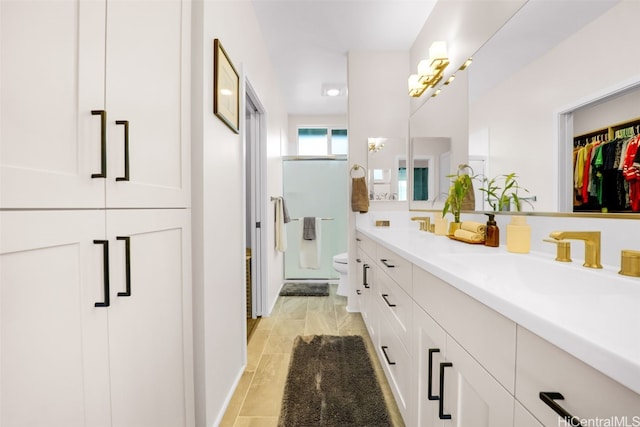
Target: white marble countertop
x,y
592,314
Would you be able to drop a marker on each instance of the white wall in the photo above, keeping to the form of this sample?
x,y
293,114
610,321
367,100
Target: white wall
x,y
218,200
296,121
378,106
521,113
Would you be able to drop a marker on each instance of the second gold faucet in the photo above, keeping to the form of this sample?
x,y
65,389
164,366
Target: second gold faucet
x,y
591,244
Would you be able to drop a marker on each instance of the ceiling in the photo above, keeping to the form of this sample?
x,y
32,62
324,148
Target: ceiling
x,y
308,41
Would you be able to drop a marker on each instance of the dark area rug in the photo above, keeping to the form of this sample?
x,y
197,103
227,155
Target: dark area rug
x,y
331,382
303,289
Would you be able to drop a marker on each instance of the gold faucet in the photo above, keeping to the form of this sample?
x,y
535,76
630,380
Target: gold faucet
x,y
425,222
591,244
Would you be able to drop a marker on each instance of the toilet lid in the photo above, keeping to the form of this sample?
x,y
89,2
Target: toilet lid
x,y
341,258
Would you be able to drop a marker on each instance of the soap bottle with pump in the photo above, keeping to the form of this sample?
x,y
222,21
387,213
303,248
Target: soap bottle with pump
x,y
518,235
492,237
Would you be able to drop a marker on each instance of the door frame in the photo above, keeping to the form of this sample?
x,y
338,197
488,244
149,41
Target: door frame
x,y
255,147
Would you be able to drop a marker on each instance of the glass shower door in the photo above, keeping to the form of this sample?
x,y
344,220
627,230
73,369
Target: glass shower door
x,y
315,187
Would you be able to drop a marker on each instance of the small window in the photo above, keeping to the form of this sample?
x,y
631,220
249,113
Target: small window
x,y
322,141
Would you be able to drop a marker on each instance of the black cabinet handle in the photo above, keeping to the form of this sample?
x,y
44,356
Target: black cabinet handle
x,y
441,413
384,297
125,123
358,292
358,260
365,279
386,263
105,267
386,356
430,375
358,239
549,398
103,143
127,252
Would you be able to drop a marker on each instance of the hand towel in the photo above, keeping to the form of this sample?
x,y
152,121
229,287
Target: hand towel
x,y
359,195
310,250
281,230
309,228
285,211
468,236
473,226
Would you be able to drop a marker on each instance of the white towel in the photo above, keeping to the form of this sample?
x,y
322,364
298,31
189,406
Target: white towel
x,y
281,230
310,250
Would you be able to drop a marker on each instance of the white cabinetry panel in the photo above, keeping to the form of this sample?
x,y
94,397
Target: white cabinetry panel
x,y
54,353
51,77
149,338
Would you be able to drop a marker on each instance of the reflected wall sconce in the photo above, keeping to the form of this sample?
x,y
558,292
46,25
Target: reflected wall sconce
x,y
376,144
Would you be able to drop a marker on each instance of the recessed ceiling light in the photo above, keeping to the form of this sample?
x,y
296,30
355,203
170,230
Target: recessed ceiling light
x,y
334,90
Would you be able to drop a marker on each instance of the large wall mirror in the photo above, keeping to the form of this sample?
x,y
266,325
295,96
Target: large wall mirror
x,y
387,165
431,164
526,101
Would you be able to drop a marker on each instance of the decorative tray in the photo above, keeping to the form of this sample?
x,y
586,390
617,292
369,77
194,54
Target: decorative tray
x,y
465,241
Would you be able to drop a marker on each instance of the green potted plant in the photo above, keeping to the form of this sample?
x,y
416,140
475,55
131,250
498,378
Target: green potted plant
x,y
502,190
461,184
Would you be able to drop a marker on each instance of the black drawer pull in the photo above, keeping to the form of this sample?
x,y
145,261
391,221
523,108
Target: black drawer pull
x,y
384,297
384,351
127,252
386,263
365,279
105,269
358,292
430,376
103,143
358,239
441,413
549,398
126,150
358,260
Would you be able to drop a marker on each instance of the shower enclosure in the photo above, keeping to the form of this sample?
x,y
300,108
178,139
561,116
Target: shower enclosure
x,y
315,187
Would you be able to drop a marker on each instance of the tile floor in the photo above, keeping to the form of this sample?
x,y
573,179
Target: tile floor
x,y
256,401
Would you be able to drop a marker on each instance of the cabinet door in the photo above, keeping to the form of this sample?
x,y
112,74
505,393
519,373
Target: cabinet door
x,y
51,78
54,348
581,391
472,397
150,319
147,86
429,341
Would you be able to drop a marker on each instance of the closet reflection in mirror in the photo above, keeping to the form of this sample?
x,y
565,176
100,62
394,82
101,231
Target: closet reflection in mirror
x,y
387,164
430,165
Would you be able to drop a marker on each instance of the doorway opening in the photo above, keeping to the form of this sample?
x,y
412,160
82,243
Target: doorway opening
x,y
255,169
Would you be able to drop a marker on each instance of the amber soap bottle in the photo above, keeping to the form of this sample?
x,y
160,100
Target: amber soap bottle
x,y
492,237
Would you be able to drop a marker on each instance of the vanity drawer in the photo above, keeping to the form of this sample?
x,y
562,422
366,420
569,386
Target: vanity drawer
x,y
398,268
396,364
365,283
588,394
365,244
486,334
395,305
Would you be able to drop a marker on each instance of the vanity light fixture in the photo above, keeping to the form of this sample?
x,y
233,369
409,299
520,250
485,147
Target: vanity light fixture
x,y
466,64
430,71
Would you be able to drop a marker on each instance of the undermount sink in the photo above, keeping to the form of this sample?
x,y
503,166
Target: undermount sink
x,y
503,271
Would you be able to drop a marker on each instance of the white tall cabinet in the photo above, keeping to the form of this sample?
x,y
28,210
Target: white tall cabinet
x,y
95,286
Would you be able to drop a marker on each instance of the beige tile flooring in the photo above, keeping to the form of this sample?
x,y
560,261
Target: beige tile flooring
x,y
256,401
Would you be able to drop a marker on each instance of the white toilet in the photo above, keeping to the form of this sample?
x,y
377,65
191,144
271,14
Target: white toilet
x,y
340,264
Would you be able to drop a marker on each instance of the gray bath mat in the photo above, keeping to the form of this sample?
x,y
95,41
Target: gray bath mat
x,y
331,383
304,289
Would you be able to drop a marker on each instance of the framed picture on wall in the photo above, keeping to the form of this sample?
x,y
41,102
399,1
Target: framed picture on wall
x,y
226,88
